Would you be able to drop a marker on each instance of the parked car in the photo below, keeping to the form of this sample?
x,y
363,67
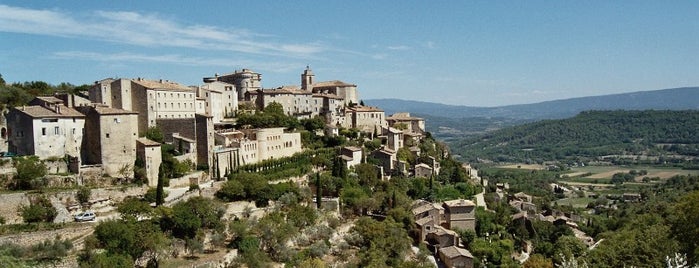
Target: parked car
x,y
85,216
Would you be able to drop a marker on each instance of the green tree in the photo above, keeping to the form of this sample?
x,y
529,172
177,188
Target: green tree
x,y
380,243
684,221
132,208
83,195
30,173
319,191
39,210
195,213
368,175
155,134
232,190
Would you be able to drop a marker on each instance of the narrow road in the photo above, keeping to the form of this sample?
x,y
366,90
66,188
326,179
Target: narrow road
x,y
480,200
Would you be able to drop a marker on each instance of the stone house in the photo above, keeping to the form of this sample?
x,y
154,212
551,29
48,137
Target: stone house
x,y
47,129
351,155
456,257
148,152
412,124
423,170
110,138
365,118
460,213
440,237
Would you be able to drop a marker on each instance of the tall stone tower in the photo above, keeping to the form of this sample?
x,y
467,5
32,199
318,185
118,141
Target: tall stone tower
x,y
307,79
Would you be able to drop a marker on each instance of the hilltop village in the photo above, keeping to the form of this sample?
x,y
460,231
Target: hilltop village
x,y
134,130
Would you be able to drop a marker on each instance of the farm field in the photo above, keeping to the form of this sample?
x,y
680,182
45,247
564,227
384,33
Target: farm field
x,y
525,166
577,202
606,172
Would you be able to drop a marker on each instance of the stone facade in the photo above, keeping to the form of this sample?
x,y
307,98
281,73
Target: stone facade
x,y
221,99
365,118
460,213
412,124
351,155
110,138
47,130
153,100
456,257
244,81
150,154
423,170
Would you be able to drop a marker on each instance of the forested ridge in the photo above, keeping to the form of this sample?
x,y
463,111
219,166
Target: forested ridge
x,y
590,134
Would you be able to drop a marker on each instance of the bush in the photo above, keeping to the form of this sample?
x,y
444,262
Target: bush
x,y
150,195
83,195
30,173
40,210
232,190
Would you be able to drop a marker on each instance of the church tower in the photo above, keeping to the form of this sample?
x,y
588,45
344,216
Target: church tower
x,y
307,79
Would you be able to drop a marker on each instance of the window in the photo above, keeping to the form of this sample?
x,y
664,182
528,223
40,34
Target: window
x,y
107,135
43,131
73,131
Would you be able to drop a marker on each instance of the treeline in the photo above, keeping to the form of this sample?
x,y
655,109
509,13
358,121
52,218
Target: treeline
x,y
18,94
589,135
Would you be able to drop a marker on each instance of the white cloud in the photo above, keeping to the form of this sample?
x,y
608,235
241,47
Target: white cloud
x,y
149,30
177,59
430,45
398,47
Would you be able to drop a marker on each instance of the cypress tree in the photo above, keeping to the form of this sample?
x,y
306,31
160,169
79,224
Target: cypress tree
x,y
319,191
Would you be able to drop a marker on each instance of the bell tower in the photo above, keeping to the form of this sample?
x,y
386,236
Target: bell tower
x,y
307,79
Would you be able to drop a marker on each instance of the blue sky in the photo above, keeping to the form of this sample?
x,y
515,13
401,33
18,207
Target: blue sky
x,y
476,53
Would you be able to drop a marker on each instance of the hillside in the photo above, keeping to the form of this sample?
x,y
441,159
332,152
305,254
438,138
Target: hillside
x,y
665,99
646,135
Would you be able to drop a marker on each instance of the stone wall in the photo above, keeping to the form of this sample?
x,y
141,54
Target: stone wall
x,y
192,178
183,126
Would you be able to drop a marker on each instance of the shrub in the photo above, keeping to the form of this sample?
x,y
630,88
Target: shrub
x,y
83,195
40,210
150,195
30,172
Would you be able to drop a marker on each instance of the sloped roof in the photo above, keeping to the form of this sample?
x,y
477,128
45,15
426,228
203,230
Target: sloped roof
x,y
333,83
459,203
103,110
37,111
147,142
168,85
454,251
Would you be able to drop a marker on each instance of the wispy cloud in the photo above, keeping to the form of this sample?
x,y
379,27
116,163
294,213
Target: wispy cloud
x,y
430,45
399,47
148,30
176,59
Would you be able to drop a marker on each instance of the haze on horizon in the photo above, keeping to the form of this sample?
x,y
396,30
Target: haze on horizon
x,y
457,52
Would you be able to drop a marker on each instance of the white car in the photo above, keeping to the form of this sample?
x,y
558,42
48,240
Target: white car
x,y
85,216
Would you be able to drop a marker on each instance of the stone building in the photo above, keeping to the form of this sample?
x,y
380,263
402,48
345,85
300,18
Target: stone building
x,y
221,100
148,152
153,100
244,81
460,213
226,160
255,145
423,170
46,129
295,102
410,124
365,118
351,155
456,257
394,138
110,138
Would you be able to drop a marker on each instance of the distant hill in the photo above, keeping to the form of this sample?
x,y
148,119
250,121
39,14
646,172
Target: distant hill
x,y
628,135
453,122
665,99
